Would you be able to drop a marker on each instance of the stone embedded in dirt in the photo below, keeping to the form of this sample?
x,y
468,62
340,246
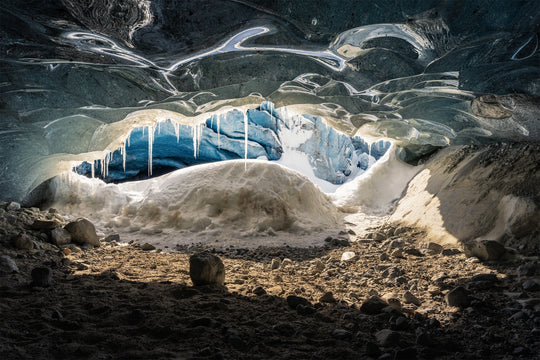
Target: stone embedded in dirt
x,y
433,248
485,250
458,297
387,338
45,225
305,310
259,291
276,263
397,253
13,206
528,269
286,262
409,250
409,298
60,236
348,256
373,306
450,252
66,251
147,247
83,232
111,238
530,285
488,277
7,265
293,301
328,297
206,269
341,334
439,277
392,272
41,276
23,242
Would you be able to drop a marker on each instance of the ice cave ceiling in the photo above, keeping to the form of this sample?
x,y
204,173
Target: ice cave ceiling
x,y
77,77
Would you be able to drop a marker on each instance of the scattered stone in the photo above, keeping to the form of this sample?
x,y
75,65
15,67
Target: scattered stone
x,y
259,291
60,236
66,251
341,334
305,310
45,225
378,236
394,302
392,272
397,253
317,266
286,262
530,285
384,257
148,247
373,305
458,297
41,277
79,265
412,251
433,248
409,298
487,278
206,268
348,256
328,297
450,252
293,301
111,238
83,232
528,269
23,242
13,206
387,338
485,250
7,265
276,263
400,230
439,277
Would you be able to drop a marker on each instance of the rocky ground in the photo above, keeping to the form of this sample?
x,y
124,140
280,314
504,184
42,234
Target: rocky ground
x,y
389,295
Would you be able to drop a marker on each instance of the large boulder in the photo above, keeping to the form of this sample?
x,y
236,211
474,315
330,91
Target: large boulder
x,y
206,269
83,232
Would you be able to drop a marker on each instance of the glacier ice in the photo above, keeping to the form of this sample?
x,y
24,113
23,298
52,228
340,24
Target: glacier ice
x,y
80,86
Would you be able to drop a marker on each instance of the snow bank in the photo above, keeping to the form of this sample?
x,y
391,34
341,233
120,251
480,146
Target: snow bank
x,y
376,190
236,195
468,193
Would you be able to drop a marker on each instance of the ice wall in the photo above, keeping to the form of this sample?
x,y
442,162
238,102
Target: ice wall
x,y
409,71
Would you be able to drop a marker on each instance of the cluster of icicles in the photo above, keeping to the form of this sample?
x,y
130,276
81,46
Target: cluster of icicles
x,y
196,134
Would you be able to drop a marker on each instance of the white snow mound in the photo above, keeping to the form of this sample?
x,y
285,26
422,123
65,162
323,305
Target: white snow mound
x,y
242,195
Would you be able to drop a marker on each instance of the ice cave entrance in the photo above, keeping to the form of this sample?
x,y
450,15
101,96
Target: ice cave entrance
x,y
304,143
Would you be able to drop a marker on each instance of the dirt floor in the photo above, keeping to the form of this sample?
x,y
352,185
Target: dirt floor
x,y
118,301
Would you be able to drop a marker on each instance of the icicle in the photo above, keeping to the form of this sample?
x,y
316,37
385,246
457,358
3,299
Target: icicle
x,y
93,170
245,138
150,145
177,131
159,127
218,122
124,155
129,138
143,131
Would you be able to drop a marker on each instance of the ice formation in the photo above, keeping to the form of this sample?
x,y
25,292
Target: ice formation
x,y
132,95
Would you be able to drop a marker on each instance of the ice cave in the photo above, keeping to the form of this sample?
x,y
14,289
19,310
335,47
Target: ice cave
x,y
361,139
